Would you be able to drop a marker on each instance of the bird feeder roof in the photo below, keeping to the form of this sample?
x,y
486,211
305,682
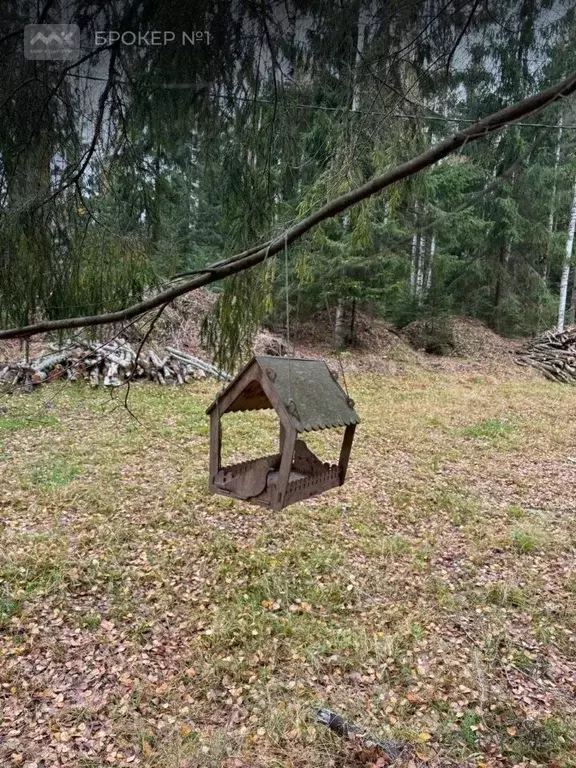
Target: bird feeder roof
x,y
303,392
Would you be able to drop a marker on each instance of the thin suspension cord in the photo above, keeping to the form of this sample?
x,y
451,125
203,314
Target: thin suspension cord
x,y
286,288
287,291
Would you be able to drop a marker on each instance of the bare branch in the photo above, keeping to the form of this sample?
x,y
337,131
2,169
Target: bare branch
x,y
461,35
241,262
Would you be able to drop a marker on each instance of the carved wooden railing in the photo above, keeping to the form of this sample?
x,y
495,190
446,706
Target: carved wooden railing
x,y
310,486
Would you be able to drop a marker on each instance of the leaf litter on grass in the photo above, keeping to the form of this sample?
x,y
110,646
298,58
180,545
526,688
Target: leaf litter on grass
x,y
145,622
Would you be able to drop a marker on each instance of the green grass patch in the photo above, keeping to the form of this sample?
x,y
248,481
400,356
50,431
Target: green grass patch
x,y
489,429
57,474
524,542
17,423
461,507
9,607
468,730
507,595
540,741
516,512
90,621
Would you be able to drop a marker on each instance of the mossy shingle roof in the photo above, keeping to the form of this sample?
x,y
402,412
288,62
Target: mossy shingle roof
x,y
310,394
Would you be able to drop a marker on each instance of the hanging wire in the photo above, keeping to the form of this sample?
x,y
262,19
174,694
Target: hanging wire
x,y
296,333
286,288
291,403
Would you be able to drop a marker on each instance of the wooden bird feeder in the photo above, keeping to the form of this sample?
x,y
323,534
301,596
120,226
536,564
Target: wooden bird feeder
x,y
306,397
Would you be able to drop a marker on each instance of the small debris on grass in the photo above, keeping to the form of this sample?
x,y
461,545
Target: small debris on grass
x,y
346,730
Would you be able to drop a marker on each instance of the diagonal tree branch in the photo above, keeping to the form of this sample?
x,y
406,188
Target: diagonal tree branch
x,y
251,258
461,35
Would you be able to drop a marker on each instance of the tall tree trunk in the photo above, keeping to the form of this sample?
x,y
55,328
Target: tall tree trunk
x,y
499,290
552,214
573,302
415,252
555,179
339,329
420,267
413,262
360,41
155,215
430,269
545,266
339,325
566,267
352,321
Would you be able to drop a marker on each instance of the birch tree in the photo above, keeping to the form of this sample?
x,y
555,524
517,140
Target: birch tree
x,y
567,262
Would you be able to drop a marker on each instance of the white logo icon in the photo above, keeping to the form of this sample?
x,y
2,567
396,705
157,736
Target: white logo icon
x,y
51,42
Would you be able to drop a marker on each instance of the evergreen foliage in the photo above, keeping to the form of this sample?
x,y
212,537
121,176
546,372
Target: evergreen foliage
x,y
145,161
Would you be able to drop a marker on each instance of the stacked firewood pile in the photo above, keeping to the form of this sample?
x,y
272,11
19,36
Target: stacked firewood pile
x,y
553,353
109,364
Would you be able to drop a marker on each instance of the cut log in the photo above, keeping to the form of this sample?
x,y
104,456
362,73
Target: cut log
x,y
109,364
553,353
198,363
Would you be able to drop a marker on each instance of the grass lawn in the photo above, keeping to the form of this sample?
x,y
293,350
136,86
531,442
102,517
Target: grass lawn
x,y
432,599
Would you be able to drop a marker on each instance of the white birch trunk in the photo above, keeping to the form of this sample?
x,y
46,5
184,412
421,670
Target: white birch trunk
x,y
420,268
430,265
413,265
360,41
573,303
552,214
414,254
554,181
566,267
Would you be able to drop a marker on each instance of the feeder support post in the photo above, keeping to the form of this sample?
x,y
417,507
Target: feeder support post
x,y
285,465
345,451
215,444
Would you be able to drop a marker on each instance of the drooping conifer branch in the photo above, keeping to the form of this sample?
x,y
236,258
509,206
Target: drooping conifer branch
x,y
254,256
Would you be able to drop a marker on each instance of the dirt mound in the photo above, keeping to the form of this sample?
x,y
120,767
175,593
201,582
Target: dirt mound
x,y
459,337
453,344
268,343
13,349
181,322
473,338
179,326
371,335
